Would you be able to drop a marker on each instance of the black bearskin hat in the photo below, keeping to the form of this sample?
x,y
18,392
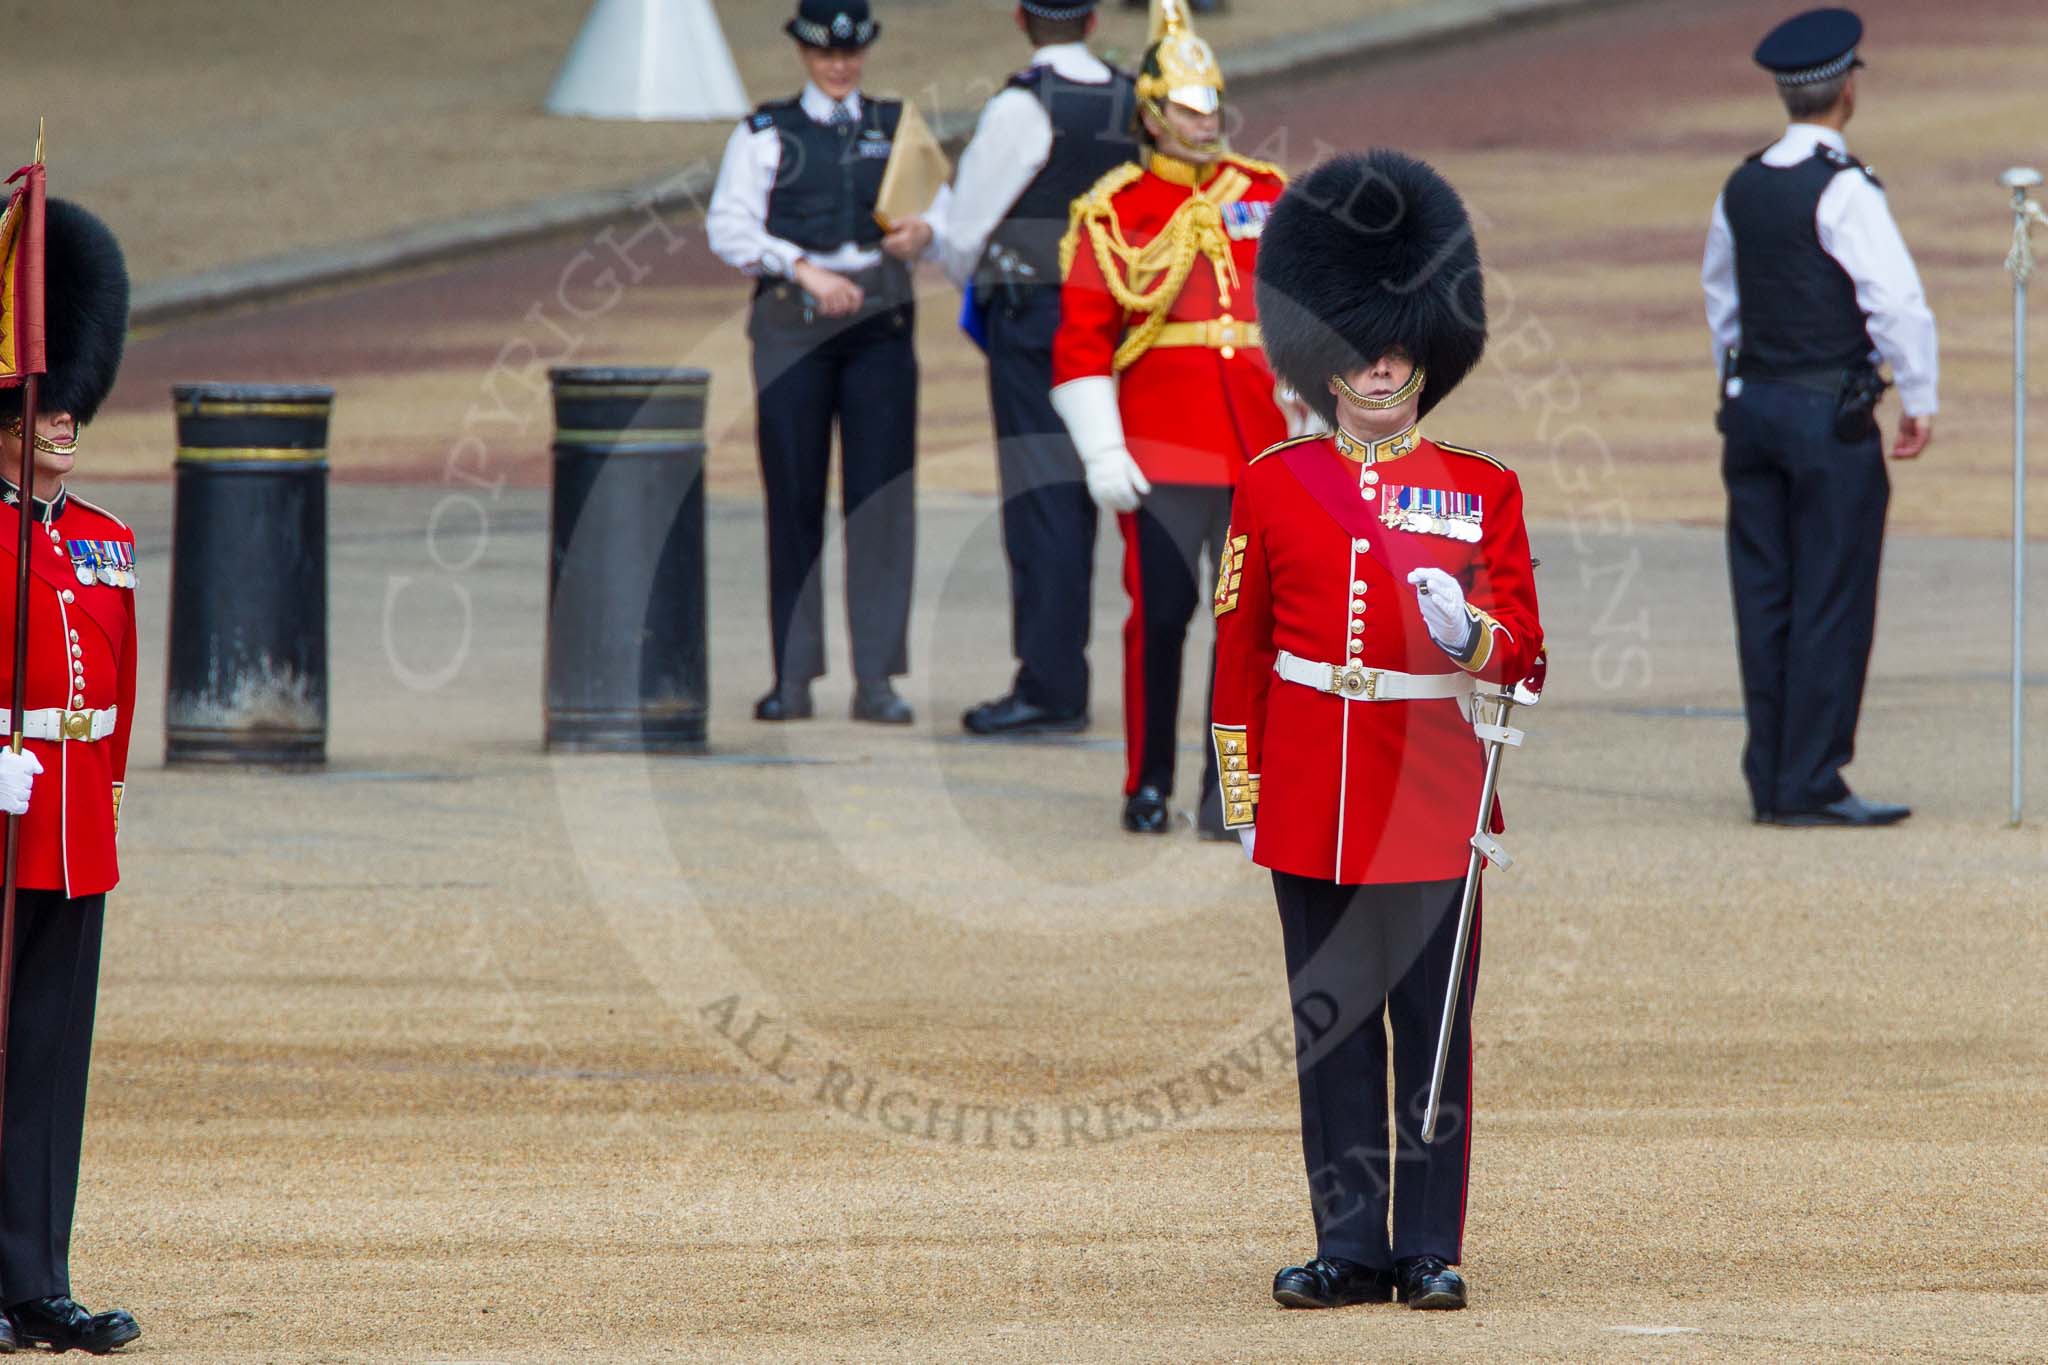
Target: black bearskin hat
x,y
85,291
1364,254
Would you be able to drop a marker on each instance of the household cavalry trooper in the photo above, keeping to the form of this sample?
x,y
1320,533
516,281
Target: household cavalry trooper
x,y
793,209
1373,574
1158,375
1055,129
66,783
1808,285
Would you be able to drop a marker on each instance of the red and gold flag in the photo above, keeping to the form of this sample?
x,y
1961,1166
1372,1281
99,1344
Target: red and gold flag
x,y
22,349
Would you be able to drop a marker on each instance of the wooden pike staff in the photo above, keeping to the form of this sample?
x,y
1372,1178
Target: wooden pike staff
x,y
21,276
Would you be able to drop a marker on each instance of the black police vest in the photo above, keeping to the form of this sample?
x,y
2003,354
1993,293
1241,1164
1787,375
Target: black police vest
x,y
829,177
1799,310
1091,136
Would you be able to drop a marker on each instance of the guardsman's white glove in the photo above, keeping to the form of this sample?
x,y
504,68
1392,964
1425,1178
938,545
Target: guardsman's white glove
x,y
17,775
1247,836
1088,407
1443,609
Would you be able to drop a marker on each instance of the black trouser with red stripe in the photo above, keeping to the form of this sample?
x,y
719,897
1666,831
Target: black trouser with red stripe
x,y
1364,962
49,1052
1167,577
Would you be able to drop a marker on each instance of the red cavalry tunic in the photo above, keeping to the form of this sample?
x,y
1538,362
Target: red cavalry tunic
x,y
1195,407
1362,791
81,659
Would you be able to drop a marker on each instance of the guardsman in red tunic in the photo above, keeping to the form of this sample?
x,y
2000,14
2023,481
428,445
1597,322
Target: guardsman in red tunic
x,y
1372,576
1158,375
66,785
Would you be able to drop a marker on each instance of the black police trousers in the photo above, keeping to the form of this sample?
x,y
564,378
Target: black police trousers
x,y
860,374
49,1052
1367,967
1167,578
1805,535
1049,521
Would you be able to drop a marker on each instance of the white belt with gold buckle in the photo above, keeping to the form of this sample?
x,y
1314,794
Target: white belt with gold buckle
x,y
1356,682
55,723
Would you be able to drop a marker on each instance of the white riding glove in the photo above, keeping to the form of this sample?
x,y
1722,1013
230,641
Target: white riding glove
x,y
17,776
1443,610
1088,407
1246,836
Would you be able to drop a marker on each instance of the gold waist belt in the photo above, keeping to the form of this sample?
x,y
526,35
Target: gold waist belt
x,y
1218,334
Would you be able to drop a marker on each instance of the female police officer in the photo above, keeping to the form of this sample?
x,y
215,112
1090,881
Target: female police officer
x,y
793,209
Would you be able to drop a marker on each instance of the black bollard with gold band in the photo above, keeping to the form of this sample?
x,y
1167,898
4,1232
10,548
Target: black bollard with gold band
x,y
627,663
248,636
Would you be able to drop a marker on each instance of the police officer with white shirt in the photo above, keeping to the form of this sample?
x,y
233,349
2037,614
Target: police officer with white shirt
x,y
793,209
1808,285
1050,134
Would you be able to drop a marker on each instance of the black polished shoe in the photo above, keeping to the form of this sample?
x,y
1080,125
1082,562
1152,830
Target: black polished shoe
x,y
9,1342
1851,812
62,1324
789,701
1145,813
877,702
1426,1282
1329,1283
1012,715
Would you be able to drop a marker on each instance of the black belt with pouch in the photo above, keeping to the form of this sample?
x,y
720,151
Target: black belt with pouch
x,y
1007,280
786,304
1856,390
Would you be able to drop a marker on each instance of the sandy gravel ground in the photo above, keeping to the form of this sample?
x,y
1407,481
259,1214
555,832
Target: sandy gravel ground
x,y
452,1052
209,132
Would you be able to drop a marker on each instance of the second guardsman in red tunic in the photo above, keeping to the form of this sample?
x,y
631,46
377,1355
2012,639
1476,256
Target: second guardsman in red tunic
x,y
1372,576
66,784
1158,376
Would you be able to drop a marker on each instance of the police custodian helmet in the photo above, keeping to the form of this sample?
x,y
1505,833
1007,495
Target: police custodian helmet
x,y
85,285
1362,255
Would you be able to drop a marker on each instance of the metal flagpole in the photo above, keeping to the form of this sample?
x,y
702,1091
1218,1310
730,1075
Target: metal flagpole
x,y
2025,211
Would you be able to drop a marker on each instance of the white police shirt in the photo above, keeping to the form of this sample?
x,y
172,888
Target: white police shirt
x,y
1856,228
737,221
1012,142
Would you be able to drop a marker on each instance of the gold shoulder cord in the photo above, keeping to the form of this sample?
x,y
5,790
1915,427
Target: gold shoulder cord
x,y
1094,204
1260,167
1148,279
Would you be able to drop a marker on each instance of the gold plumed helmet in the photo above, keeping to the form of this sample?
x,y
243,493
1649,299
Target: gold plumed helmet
x,y
1179,67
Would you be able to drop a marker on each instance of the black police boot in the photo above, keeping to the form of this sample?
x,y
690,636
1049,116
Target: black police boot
x,y
1326,1282
876,701
1145,812
1013,715
9,1342
788,701
1426,1282
1851,812
63,1324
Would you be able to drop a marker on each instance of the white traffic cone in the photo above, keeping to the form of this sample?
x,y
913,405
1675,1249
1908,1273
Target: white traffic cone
x,y
650,60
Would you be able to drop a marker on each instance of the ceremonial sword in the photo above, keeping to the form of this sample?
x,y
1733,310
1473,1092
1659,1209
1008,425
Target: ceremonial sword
x,y
1498,736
